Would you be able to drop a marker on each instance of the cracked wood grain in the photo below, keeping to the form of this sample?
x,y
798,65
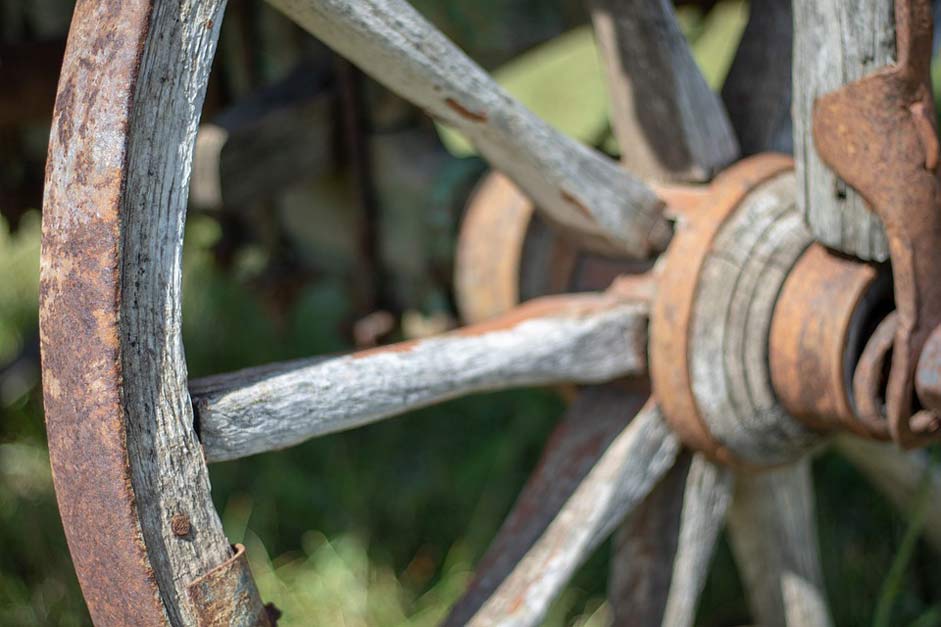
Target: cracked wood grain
x,y
586,338
773,532
836,42
706,498
739,284
168,471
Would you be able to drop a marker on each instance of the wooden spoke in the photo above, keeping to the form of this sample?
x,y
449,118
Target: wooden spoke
x,y
669,124
757,91
824,60
597,467
774,538
585,338
898,475
705,501
575,186
645,549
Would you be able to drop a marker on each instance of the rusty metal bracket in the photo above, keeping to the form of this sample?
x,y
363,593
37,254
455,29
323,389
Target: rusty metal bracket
x,y
227,595
878,134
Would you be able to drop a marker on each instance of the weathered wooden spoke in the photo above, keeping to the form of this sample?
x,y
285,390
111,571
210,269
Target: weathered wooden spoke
x,y
669,124
774,538
705,501
598,466
654,83
575,186
824,59
645,549
757,91
585,338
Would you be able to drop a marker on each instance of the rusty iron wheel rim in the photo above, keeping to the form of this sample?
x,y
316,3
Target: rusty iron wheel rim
x,y
94,430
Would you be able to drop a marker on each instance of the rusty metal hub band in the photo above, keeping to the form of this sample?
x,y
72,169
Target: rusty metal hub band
x,y
703,406
826,311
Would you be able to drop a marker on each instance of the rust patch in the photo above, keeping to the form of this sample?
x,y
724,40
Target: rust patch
x,y
869,379
878,134
928,378
575,202
677,282
680,199
464,112
180,525
816,335
504,255
79,314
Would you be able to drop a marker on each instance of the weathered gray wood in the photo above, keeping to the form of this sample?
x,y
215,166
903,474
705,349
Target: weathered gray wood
x,y
706,498
669,124
836,42
757,90
898,475
598,466
581,338
644,552
774,539
169,474
262,144
741,278
577,187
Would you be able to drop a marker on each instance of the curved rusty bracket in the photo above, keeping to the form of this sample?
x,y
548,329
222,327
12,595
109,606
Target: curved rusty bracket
x,y
227,596
878,134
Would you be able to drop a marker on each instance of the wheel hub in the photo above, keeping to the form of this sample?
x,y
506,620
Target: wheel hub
x,y
756,332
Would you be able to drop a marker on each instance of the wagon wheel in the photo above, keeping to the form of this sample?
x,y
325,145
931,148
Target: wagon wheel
x,y
130,436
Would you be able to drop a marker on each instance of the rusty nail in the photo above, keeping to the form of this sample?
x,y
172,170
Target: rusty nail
x,y
180,525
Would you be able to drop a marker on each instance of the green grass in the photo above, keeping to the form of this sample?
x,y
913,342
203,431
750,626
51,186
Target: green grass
x,y
381,526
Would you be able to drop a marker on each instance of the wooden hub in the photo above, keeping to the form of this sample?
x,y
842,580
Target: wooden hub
x,y
716,294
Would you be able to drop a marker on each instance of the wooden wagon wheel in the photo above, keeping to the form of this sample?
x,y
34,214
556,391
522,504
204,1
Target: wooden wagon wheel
x,y
130,436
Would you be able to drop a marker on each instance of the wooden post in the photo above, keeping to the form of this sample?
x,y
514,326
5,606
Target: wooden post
x,y
836,42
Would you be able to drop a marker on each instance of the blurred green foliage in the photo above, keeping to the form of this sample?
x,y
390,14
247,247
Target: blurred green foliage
x,y
381,526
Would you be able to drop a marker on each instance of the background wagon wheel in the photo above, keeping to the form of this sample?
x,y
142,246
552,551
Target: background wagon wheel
x,y
129,457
